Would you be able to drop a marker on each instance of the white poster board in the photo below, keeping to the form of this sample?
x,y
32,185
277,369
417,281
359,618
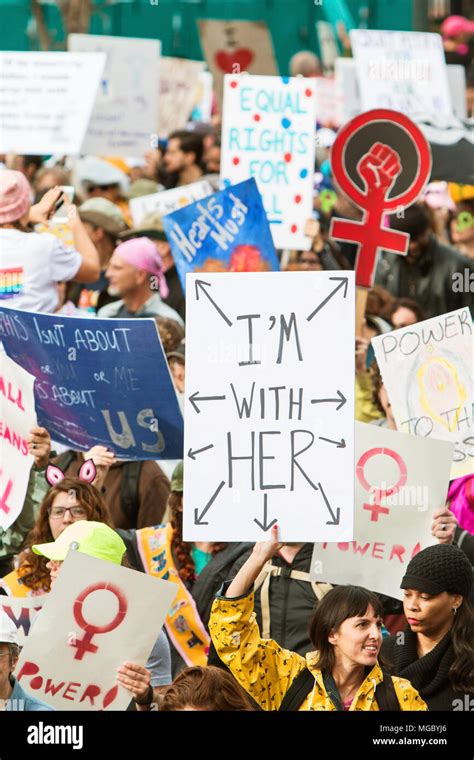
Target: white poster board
x,y
347,89
126,106
46,100
404,71
268,427
69,664
202,110
457,88
268,132
179,80
400,482
17,417
328,107
166,201
23,612
327,46
427,370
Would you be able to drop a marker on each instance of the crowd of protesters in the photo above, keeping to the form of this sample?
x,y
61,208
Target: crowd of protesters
x,y
309,646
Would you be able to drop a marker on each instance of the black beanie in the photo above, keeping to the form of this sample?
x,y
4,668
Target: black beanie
x,y
439,568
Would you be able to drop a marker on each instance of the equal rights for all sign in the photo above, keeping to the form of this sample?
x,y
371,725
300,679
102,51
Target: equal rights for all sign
x,y
268,132
100,381
269,406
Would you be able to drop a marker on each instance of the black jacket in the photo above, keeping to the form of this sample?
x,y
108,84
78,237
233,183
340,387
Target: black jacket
x,y
427,674
429,280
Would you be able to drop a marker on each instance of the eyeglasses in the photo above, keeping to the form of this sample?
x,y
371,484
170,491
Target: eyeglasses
x,y
57,512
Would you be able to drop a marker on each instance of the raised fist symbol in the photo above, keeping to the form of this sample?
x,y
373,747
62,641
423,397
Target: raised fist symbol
x,y
379,168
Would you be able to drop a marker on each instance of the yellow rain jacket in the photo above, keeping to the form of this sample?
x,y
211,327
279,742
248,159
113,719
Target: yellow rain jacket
x,y
266,671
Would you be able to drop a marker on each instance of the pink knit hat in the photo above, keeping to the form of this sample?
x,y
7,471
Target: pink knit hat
x,y
142,253
15,196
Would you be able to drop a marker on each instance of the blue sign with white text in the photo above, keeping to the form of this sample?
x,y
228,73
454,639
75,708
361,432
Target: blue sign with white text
x,y
98,381
225,232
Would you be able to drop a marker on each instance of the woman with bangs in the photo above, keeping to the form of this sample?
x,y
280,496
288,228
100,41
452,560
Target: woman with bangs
x,y
343,673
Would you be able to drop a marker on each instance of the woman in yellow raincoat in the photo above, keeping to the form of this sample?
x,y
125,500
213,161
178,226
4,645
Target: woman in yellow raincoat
x,y
342,674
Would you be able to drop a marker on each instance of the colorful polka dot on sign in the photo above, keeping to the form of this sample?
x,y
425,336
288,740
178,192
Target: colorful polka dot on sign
x,y
287,157
303,173
236,160
294,228
285,123
226,182
233,83
308,92
297,198
257,117
285,80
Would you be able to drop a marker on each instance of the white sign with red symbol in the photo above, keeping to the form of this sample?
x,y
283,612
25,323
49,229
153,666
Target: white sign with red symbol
x,y
405,71
427,372
381,161
400,482
17,417
268,132
97,616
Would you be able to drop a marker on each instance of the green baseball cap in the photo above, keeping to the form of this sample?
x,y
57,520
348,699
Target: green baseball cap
x,y
177,478
93,538
151,226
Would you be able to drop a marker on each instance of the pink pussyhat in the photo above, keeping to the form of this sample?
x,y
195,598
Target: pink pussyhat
x,y
142,253
15,196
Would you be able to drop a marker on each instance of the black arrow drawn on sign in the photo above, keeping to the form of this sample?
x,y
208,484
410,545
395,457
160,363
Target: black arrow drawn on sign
x,y
340,444
343,281
198,517
339,401
192,454
335,517
266,526
199,284
194,398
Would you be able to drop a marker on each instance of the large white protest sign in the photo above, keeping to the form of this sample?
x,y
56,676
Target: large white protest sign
x,y
268,132
23,612
179,80
126,106
427,371
97,616
404,71
17,417
167,201
46,100
269,409
400,482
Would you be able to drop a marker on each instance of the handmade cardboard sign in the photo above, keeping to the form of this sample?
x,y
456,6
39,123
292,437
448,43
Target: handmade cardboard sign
x,y
463,458
17,417
400,482
225,232
404,71
179,79
235,47
126,105
101,381
268,132
46,100
381,161
23,612
202,110
97,616
427,371
269,429
167,201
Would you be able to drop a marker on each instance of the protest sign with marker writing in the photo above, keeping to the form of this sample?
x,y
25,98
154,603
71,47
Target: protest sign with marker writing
x,y
269,428
166,201
101,381
400,482
23,612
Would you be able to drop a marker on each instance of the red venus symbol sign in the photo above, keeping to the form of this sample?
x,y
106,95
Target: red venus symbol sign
x,y
84,645
380,493
378,168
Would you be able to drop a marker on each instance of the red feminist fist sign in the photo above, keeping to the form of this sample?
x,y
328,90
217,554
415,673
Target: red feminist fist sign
x,y
85,644
379,168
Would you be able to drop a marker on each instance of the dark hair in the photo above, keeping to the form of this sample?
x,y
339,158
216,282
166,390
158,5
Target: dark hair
x,y
377,382
461,672
32,568
208,688
416,220
337,605
171,333
408,303
379,302
182,549
189,142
